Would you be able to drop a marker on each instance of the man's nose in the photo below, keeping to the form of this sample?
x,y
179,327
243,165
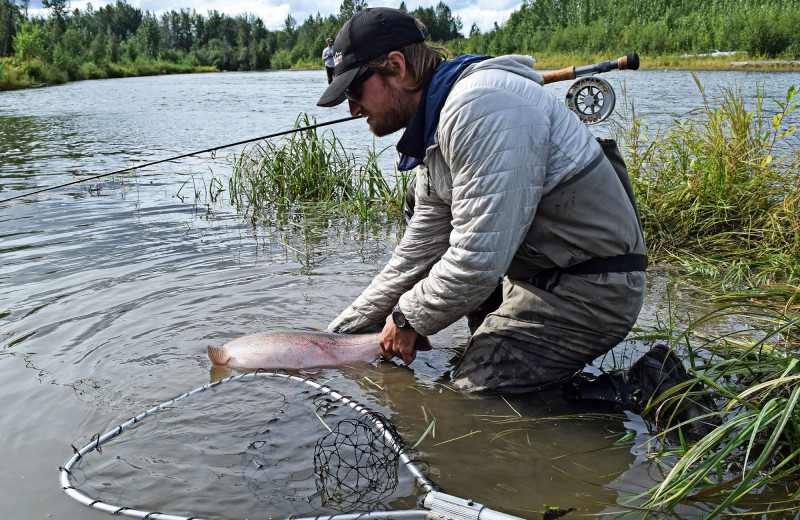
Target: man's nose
x,y
355,108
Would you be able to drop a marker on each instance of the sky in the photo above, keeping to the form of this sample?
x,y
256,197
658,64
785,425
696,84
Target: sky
x,y
483,13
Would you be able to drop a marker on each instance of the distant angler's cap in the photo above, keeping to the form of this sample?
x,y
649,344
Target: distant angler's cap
x,y
370,33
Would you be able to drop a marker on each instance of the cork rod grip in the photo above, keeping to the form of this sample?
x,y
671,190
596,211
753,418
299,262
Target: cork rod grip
x,y
558,75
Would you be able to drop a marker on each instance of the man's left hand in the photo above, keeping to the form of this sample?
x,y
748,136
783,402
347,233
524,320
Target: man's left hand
x,y
395,341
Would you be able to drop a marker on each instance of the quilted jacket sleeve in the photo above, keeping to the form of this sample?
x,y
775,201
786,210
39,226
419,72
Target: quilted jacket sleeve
x,y
423,243
486,176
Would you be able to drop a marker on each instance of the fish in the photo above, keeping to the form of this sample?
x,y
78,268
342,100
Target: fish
x,y
296,350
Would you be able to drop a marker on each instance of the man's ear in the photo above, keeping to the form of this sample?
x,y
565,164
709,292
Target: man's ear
x,y
398,62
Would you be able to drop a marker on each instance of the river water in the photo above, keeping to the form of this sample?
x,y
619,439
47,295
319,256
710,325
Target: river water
x,y
112,290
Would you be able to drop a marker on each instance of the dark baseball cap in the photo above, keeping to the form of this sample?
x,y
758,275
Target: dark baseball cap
x,y
370,33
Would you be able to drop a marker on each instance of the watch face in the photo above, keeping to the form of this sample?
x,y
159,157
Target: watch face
x,y
399,319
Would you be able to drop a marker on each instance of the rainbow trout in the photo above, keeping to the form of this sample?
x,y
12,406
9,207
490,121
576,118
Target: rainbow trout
x,y
296,350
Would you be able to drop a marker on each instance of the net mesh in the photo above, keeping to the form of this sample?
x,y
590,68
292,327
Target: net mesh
x,y
355,465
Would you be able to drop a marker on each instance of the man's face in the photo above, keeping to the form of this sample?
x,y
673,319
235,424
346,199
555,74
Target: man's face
x,y
384,103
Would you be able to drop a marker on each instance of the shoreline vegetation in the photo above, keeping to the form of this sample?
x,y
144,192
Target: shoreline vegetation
x,y
119,40
16,75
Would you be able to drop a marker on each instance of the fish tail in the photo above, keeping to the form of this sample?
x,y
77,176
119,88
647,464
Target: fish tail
x,y
218,355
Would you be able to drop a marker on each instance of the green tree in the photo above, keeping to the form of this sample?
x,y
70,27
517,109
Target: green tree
x,y
58,9
98,50
9,17
439,21
30,41
351,7
113,49
149,39
287,37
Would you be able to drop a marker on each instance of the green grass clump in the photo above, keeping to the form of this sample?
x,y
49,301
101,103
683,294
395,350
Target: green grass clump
x,y
719,191
754,374
311,168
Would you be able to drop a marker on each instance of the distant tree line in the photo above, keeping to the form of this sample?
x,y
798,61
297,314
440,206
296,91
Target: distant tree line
x,y
87,43
758,27
118,39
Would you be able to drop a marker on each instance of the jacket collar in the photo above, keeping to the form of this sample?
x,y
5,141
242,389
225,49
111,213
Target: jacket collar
x,y
421,130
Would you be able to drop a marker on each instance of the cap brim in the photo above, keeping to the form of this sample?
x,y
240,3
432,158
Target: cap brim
x,y
334,94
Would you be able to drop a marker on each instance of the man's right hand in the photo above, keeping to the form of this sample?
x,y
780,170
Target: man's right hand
x,y
403,343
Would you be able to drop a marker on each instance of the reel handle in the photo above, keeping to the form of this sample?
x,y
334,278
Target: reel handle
x,y
629,62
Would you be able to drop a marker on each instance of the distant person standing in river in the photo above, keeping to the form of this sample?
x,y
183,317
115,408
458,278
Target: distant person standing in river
x,y
327,58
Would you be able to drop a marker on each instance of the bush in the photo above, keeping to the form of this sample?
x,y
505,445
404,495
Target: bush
x,y
720,191
281,60
12,75
36,70
91,70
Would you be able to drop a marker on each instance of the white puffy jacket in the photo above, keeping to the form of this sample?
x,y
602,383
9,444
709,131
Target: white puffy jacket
x,y
502,144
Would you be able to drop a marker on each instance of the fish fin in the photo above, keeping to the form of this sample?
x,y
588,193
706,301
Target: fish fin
x,y
309,371
218,355
317,329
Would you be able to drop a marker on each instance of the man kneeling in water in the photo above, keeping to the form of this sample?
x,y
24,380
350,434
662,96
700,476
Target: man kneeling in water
x,y
518,219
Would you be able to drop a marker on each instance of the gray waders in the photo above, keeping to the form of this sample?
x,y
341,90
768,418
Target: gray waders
x,y
540,332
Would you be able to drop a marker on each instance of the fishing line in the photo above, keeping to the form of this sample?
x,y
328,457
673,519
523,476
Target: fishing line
x,y
355,468
182,156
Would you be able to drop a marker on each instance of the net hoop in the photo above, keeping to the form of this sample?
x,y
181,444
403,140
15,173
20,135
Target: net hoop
x,y
394,442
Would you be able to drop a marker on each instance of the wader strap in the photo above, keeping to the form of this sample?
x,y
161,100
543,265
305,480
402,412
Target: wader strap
x,y
613,264
614,156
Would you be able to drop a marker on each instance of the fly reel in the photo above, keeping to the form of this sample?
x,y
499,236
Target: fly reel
x,y
591,98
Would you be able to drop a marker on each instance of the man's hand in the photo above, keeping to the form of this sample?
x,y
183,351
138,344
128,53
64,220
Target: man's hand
x,y
402,343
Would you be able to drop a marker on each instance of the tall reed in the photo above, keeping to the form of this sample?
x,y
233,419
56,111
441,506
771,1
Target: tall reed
x,y
719,191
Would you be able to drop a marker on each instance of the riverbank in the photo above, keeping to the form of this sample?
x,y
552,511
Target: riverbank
x,y
739,61
18,74
15,75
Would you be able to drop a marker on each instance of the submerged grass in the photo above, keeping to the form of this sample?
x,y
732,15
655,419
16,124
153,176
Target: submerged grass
x,y
313,169
719,192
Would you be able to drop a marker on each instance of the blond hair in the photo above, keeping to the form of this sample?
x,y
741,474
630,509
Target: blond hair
x,y
421,61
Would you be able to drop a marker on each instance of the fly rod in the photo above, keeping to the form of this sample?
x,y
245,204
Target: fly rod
x,y
629,62
591,98
183,156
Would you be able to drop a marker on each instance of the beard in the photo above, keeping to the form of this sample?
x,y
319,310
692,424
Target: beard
x,y
395,114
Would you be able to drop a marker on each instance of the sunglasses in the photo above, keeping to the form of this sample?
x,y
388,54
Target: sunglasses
x,y
353,92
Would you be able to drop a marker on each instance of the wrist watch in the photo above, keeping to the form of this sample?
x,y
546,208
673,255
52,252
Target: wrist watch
x,y
399,318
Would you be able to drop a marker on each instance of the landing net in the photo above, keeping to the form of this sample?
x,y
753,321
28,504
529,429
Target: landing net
x,y
357,453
